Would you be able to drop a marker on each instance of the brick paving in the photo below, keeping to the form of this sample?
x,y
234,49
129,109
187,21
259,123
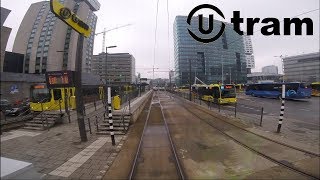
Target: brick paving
x,y
53,148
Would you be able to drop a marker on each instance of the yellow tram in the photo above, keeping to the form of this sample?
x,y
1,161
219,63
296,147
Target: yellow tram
x,y
217,93
315,89
45,99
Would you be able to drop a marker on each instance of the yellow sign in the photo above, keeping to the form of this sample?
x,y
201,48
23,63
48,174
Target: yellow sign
x,y
70,18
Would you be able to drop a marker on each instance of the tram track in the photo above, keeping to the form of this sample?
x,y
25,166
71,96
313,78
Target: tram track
x,y
224,128
246,130
156,156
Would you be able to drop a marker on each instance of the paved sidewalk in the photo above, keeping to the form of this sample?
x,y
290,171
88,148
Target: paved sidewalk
x,y
59,153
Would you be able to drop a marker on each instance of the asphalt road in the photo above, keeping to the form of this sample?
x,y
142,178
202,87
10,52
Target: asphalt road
x,y
306,110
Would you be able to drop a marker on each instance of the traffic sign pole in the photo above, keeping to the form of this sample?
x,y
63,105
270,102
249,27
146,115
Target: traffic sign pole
x,y
78,92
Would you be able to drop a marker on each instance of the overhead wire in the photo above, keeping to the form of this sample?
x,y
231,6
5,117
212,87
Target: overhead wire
x,y
155,39
168,35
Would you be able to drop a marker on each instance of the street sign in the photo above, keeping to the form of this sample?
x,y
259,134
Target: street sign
x,y
14,89
70,18
60,79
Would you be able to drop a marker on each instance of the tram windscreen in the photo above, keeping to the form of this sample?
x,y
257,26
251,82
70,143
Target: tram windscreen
x,y
228,92
39,93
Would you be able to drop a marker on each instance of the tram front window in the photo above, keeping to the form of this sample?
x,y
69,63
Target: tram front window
x,y
40,95
228,93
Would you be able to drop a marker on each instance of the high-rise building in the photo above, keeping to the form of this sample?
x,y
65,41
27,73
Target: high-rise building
x,y
48,43
303,68
5,33
272,69
211,62
119,68
248,50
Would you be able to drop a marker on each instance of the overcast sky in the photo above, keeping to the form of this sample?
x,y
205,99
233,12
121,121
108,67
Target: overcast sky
x,y
139,39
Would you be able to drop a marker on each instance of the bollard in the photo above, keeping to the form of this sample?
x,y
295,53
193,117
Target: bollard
x,y
97,123
282,109
89,125
69,116
95,105
47,123
261,116
219,105
42,123
110,117
129,104
235,110
60,106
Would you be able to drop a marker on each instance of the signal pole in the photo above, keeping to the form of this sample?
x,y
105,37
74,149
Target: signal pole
x,y
189,80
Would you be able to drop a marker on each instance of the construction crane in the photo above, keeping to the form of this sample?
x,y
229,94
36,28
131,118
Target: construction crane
x,y
105,31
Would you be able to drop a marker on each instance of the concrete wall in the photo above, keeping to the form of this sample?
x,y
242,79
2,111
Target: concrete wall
x,y
23,91
137,109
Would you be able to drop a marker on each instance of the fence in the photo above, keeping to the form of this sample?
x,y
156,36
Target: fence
x,y
248,113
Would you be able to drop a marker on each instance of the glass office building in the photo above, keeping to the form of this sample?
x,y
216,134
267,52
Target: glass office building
x,y
221,60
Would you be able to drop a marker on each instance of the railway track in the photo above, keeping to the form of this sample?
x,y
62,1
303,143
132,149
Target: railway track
x,y
243,137
156,156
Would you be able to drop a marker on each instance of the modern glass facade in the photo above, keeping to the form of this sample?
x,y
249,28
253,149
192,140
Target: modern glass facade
x,y
208,59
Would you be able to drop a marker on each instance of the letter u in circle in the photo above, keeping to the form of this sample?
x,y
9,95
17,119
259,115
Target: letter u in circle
x,y
209,30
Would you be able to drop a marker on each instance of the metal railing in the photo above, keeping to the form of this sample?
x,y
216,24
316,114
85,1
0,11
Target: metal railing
x,y
253,114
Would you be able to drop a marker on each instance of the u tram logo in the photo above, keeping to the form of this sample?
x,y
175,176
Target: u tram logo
x,y
271,24
65,13
210,22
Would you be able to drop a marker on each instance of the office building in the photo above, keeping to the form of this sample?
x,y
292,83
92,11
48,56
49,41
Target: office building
x,y
13,62
5,33
262,77
119,68
302,68
248,50
272,69
211,62
48,43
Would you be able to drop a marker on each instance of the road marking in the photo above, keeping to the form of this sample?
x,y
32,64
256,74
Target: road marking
x,y
66,169
18,133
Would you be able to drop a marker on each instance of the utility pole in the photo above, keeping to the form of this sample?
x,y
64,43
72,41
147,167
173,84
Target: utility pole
x,y
189,80
221,71
78,87
230,75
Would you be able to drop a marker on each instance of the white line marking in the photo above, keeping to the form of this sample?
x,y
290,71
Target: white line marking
x,y
18,133
66,169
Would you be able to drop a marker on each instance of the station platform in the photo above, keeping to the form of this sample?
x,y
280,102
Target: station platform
x,y
58,152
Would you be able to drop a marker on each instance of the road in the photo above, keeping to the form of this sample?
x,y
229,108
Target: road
x,y
306,110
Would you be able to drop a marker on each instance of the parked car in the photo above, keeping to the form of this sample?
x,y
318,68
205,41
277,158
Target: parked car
x,y
20,107
5,105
